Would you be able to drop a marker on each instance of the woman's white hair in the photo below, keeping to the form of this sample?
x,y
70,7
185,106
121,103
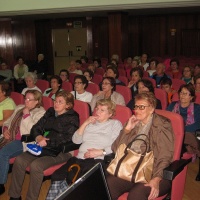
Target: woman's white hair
x,y
31,75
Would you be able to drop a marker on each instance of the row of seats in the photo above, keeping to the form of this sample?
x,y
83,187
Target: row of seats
x,y
123,114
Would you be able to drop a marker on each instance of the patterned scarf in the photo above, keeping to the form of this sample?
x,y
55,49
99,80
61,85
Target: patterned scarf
x,y
14,126
190,112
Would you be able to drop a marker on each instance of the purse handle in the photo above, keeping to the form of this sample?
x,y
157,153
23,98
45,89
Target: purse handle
x,y
135,139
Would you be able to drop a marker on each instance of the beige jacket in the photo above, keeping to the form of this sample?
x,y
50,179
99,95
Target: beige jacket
x,y
28,122
161,142
116,97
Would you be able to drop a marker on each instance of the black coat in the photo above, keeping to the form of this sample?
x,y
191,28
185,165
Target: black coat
x,y
61,128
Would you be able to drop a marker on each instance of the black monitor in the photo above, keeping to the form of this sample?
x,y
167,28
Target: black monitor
x,y
91,186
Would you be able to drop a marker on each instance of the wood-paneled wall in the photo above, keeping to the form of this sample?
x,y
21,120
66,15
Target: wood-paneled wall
x,y
132,36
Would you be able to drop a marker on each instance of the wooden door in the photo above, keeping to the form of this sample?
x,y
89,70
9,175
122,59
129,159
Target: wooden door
x,y
68,44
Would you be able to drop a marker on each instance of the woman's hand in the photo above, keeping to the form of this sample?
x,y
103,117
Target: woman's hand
x,y
130,84
6,134
154,184
100,93
91,119
41,140
93,153
131,123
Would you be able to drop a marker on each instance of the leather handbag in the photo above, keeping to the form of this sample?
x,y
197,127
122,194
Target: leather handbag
x,y
132,166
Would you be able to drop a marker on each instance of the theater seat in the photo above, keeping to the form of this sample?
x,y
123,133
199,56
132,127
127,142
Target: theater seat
x,y
17,98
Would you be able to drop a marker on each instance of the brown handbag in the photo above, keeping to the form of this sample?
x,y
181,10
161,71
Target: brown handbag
x,y
132,166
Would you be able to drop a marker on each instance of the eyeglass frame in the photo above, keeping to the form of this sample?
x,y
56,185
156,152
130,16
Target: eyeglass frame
x,y
140,107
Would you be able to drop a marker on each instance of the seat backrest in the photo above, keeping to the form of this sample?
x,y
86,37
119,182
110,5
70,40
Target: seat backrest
x,y
17,98
92,88
122,71
67,86
197,99
175,97
162,96
100,71
178,128
42,84
71,77
152,81
145,74
125,92
47,102
176,83
97,79
124,79
123,113
82,108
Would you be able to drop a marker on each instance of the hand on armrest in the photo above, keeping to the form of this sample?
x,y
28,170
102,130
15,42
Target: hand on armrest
x,y
108,158
175,168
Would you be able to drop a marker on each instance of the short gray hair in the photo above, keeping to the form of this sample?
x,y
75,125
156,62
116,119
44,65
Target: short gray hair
x,y
31,75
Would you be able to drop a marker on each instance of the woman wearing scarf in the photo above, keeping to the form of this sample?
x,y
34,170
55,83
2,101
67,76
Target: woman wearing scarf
x,y
190,113
20,123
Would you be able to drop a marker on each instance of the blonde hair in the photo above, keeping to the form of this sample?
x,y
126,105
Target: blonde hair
x,y
109,103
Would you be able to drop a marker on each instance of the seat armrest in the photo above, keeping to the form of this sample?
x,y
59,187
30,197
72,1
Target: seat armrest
x,y
108,158
170,172
27,138
70,146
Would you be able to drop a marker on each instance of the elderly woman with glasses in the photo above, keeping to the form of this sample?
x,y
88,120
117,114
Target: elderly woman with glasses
x,y
160,136
60,122
80,84
19,124
190,113
108,92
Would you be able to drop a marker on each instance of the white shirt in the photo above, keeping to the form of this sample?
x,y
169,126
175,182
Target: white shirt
x,y
86,96
34,88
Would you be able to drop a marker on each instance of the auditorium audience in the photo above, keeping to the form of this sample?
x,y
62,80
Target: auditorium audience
x,y
5,73
72,68
197,83
188,74
64,75
174,69
89,75
143,61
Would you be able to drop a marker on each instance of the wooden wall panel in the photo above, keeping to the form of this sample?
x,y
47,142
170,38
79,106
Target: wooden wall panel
x,y
6,50
24,40
100,37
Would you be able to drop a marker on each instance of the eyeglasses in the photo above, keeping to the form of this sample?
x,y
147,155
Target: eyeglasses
x,y
141,107
27,99
59,102
106,83
185,94
77,83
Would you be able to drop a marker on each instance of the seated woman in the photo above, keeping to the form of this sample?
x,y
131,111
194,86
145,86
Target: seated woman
x,y
30,79
190,113
136,74
161,137
113,72
61,121
108,92
20,123
188,74
5,73
19,71
64,75
56,84
89,75
95,135
7,105
144,85
80,84
197,84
